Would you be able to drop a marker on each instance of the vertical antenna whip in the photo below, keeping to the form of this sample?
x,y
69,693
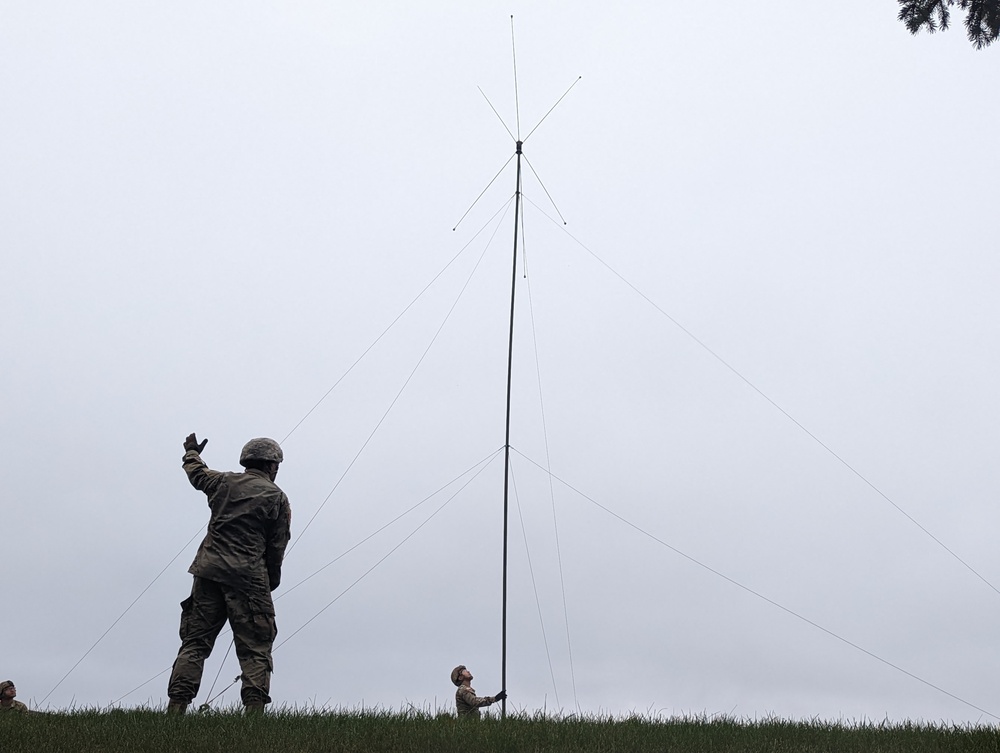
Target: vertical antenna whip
x,y
517,105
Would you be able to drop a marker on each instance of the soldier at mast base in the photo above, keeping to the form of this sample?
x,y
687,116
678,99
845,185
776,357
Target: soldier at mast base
x,y
236,568
466,700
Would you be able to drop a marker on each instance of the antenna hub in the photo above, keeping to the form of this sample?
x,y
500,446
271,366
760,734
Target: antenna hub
x,y
519,146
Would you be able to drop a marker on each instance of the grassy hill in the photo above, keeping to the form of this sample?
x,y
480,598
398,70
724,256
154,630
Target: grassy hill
x,y
148,730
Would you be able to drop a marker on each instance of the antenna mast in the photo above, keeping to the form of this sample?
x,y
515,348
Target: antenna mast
x,y
506,450
510,364
519,142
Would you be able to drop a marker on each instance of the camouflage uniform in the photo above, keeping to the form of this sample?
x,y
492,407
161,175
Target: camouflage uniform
x,y
468,702
14,705
237,566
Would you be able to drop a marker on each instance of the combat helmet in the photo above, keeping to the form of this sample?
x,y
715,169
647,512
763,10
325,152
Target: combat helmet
x,y
261,448
456,675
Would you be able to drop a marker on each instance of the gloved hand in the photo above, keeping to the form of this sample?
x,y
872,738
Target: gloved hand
x,y
502,695
191,444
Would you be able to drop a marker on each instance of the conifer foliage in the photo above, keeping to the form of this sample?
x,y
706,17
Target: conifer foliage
x,y
982,19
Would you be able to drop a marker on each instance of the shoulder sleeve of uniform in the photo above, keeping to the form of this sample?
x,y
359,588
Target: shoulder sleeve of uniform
x,y
200,475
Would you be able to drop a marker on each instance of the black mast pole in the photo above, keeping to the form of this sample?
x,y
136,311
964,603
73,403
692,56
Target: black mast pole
x,y
506,453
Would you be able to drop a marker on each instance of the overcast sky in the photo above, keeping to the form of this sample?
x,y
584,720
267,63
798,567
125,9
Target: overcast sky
x,y
760,360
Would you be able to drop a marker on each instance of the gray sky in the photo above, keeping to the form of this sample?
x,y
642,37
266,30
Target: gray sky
x,y
207,214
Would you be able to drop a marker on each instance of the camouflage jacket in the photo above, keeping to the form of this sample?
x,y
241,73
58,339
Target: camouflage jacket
x,y
248,531
468,702
14,706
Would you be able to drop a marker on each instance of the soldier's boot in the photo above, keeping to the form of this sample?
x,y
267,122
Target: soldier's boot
x,y
176,708
253,707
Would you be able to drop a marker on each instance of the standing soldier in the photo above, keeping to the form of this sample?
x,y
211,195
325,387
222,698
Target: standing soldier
x,y
7,694
237,566
466,700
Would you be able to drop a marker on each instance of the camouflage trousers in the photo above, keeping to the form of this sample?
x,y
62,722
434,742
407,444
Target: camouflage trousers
x,y
203,615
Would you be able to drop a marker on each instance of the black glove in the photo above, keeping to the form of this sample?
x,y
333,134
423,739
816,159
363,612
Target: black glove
x,y
501,696
191,444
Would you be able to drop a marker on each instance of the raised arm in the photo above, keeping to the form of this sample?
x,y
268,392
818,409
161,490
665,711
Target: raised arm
x,y
200,475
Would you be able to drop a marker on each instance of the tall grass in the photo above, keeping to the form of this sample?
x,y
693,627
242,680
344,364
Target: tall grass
x,y
294,731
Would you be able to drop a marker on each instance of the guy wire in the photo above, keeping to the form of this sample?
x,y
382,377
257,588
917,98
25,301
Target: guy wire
x,y
405,384
484,463
293,429
374,533
389,553
136,599
752,592
552,496
398,317
534,586
208,704
370,347
310,411
139,687
222,664
773,403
